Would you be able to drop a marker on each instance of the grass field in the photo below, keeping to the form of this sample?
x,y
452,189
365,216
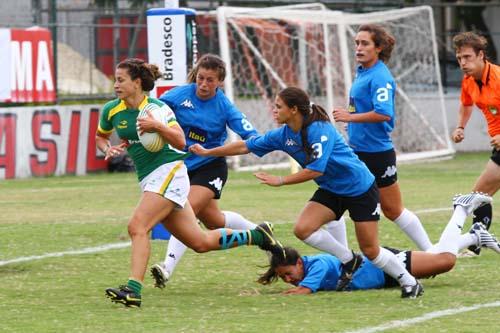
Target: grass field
x,y
217,292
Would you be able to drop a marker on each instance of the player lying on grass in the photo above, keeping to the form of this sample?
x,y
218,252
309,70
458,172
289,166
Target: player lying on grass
x,y
310,274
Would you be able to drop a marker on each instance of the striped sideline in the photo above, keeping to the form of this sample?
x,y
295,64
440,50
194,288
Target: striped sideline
x,y
425,317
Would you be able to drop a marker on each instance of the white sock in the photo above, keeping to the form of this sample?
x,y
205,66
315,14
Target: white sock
x,y
322,240
237,222
450,238
175,251
413,228
467,240
338,231
389,263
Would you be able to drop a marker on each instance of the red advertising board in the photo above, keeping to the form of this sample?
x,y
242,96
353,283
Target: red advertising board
x,y
30,63
49,140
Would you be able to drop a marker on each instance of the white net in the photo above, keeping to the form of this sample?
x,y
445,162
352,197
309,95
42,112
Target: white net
x,y
269,49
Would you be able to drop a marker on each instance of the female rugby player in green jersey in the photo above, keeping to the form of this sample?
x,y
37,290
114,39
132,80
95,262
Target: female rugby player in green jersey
x,y
162,177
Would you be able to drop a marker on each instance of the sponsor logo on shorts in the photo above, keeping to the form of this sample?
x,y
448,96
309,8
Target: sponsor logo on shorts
x,y
391,171
217,183
377,210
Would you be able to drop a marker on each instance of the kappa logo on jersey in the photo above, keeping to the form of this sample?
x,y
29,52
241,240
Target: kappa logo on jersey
x,y
217,183
290,142
187,103
324,138
391,171
377,210
122,124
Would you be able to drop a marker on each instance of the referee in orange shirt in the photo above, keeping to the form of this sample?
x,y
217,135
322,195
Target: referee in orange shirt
x,y
480,86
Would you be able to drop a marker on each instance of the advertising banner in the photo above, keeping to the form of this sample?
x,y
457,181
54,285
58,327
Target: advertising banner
x,y
29,66
46,141
172,45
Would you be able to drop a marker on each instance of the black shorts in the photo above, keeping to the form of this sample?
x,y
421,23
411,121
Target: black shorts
x,y
364,207
405,258
212,175
382,165
495,156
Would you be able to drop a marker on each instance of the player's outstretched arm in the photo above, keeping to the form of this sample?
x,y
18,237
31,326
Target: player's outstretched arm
x,y
230,149
302,176
297,291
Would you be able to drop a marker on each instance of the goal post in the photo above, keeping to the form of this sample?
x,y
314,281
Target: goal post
x,y
309,46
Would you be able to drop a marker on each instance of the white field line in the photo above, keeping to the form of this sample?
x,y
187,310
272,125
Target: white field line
x,y
423,318
432,210
86,250
107,247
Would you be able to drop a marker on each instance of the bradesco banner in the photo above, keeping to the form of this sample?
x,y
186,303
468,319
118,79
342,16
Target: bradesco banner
x,y
28,64
52,140
172,45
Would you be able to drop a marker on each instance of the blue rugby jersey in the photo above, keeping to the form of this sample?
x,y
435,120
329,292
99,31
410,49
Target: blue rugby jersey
x,y
205,121
343,173
373,89
322,271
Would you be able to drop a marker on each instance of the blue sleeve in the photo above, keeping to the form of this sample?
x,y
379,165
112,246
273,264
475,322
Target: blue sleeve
x,y
314,275
321,138
168,98
382,91
238,122
260,145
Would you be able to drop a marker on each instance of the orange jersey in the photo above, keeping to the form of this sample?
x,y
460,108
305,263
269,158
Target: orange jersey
x,y
485,94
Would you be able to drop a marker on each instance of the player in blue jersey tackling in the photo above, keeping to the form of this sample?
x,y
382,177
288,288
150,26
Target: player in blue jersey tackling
x,y
345,183
204,113
370,119
310,274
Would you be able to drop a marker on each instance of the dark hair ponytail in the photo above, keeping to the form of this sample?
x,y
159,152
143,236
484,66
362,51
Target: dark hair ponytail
x,y
296,97
138,68
275,261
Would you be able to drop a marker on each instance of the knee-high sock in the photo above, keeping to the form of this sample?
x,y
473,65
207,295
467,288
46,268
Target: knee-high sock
x,y
389,263
175,251
237,222
322,240
450,238
411,225
338,231
467,240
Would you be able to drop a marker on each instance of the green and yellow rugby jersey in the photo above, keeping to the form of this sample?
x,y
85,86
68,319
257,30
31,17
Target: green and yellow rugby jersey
x,y
115,115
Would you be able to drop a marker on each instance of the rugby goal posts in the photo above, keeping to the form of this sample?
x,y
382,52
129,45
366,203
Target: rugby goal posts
x,y
311,47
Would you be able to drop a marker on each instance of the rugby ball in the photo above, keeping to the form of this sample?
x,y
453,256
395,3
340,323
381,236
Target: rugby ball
x,y
152,141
